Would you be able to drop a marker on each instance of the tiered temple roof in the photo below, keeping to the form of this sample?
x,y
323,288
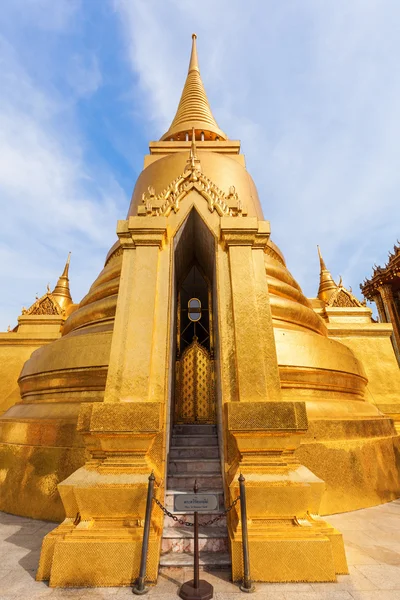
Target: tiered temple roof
x,y
389,274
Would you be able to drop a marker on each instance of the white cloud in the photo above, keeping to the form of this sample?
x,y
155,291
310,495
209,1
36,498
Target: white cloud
x,y
48,15
52,201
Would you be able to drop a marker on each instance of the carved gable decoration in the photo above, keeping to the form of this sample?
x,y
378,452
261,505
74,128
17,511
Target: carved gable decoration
x,y
192,178
344,299
46,305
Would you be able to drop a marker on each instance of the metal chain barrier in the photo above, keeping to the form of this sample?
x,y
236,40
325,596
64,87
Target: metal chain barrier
x,y
247,586
188,523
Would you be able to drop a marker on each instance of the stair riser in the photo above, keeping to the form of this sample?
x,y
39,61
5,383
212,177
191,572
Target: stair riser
x,y
186,483
195,429
169,522
199,441
192,467
193,452
187,545
214,560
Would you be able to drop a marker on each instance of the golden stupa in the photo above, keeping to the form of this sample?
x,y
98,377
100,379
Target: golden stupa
x,y
196,322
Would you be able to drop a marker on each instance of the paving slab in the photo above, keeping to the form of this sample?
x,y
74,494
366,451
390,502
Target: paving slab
x,y
372,541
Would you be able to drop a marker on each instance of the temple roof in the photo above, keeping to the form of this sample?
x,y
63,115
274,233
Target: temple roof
x,y
194,109
389,274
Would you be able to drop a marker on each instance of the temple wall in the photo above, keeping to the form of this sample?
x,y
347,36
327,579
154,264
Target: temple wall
x,y
15,349
371,344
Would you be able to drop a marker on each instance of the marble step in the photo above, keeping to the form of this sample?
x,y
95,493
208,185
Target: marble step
x,y
203,518
170,493
195,430
193,440
205,481
180,539
193,452
216,560
194,466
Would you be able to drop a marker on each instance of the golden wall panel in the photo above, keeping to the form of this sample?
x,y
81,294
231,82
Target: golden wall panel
x,y
358,473
29,479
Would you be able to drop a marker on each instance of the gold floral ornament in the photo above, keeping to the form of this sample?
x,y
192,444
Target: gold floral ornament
x,y
343,297
192,178
46,305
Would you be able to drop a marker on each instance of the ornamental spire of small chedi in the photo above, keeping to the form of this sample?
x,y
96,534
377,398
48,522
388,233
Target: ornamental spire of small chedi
x,y
51,309
327,285
334,294
194,110
61,292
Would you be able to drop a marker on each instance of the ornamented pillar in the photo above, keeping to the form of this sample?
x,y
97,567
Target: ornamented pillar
x,y
381,309
130,377
386,293
263,432
99,543
257,367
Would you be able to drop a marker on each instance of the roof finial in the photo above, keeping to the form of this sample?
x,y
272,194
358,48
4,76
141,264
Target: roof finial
x,y
61,291
193,162
193,154
66,268
194,109
321,260
194,61
327,286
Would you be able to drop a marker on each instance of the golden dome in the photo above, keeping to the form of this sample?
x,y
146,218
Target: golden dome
x,y
221,169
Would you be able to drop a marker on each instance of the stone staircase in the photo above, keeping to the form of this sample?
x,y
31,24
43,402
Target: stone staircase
x,y
194,455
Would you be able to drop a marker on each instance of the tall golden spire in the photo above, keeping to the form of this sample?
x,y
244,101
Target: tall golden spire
x,y
61,292
194,110
326,283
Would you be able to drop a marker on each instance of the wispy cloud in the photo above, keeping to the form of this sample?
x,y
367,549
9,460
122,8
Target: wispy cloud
x,y
52,199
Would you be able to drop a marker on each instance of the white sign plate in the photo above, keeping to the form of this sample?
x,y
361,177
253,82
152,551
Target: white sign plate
x,y
191,503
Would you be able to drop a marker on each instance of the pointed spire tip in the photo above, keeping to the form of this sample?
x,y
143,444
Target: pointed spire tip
x,y
326,283
66,268
321,260
193,109
194,61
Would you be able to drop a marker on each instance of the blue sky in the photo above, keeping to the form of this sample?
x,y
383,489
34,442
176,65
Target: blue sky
x,y
311,88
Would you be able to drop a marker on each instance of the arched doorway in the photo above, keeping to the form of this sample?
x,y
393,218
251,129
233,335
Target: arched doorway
x,y
194,395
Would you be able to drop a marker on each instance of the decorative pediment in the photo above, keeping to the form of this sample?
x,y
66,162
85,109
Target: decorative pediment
x,y
46,305
343,298
192,178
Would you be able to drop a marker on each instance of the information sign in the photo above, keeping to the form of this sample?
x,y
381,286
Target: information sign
x,y
190,503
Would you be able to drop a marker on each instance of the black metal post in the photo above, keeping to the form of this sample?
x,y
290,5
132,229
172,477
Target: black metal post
x,y
140,588
196,551
196,588
246,586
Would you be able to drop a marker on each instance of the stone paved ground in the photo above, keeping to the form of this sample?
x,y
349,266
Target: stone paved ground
x,y
372,539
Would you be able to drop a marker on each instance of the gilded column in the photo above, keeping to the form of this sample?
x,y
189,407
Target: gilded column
x,y
100,541
130,370
257,367
262,432
386,293
380,306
